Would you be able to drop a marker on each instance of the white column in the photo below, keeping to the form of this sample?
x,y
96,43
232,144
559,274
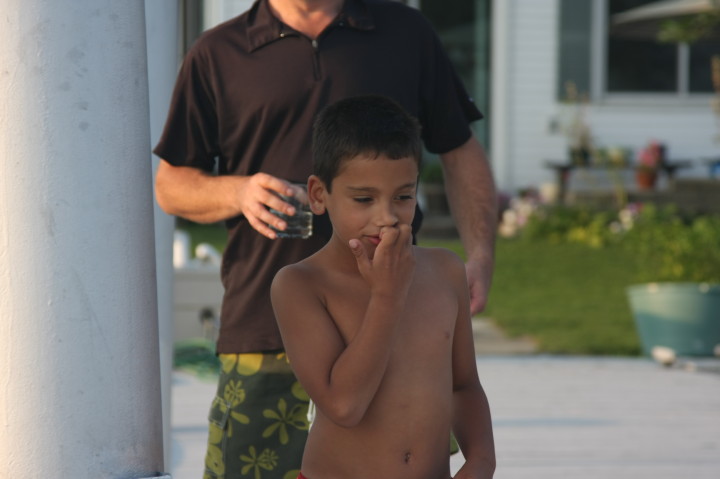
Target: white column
x,y
481,73
500,98
79,364
161,19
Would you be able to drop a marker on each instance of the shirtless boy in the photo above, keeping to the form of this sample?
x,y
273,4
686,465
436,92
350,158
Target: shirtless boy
x,y
377,330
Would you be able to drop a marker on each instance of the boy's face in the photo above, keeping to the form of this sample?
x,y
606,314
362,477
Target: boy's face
x,y
368,194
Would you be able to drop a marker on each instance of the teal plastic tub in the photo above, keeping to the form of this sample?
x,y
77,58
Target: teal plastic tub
x,y
684,317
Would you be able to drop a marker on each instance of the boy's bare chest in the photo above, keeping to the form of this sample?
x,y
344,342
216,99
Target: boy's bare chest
x,y
429,312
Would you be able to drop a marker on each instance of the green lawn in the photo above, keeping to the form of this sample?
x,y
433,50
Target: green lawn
x,y
214,234
569,297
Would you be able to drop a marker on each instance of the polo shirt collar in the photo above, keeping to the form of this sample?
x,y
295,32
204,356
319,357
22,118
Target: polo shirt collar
x,y
264,27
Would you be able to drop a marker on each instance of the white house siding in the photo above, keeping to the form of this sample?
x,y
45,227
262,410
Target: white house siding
x,y
687,131
524,74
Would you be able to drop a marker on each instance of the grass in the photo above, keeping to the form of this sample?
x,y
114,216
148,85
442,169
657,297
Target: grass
x,y
213,234
569,297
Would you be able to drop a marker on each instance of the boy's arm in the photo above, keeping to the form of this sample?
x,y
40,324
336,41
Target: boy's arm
x,y
342,379
471,418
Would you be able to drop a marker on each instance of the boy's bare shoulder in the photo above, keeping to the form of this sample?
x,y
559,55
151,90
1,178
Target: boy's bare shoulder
x,y
294,271
442,264
440,258
304,273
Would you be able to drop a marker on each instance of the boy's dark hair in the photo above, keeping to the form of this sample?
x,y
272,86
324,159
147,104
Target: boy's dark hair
x,y
364,125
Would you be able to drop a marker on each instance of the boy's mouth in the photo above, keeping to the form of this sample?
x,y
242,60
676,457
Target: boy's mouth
x,y
374,239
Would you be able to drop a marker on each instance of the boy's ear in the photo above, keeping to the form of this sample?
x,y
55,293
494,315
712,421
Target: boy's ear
x,y
316,195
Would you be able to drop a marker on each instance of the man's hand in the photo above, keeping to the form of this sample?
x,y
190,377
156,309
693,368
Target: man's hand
x,y
199,196
479,276
256,194
473,202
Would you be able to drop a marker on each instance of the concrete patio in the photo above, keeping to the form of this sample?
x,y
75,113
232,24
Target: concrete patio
x,y
555,417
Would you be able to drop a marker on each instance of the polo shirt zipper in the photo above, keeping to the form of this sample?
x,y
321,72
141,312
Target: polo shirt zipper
x,y
315,48
315,43
316,59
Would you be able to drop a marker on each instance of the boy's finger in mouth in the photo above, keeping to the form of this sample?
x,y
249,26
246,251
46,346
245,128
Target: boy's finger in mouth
x,y
374,239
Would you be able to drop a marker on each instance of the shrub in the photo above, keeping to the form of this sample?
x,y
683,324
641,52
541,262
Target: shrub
x,y
571,225
671,248
667,246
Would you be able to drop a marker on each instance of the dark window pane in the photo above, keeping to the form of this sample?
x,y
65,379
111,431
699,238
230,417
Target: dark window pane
x,y
700,67
639,65
575,47
617,6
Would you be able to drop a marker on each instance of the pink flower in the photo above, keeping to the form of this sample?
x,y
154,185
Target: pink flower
x,y
651,155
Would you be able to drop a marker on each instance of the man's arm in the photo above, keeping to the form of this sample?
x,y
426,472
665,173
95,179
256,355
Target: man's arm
x,y
470,189
198,196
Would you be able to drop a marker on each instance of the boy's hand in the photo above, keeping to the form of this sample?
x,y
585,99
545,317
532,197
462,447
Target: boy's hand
x,y
392,265
468,472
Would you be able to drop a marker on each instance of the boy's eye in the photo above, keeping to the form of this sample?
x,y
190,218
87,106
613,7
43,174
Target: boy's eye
x,y
405,197
362,199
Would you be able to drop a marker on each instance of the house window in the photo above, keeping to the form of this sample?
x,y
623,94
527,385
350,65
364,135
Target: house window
x,y
699,68
619,61
638,64
642,65
575,47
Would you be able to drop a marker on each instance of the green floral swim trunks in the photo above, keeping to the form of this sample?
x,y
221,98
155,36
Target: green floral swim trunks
x,y
258,419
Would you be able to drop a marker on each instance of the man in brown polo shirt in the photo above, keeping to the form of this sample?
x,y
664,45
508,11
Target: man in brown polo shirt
x,y
243,106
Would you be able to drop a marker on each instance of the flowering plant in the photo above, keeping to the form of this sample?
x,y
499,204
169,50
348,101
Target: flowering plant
x,y
666,246
575,125
669,247
519,211
651,157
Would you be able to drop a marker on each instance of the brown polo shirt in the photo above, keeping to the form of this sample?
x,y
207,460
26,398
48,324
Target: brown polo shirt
x,y
246,97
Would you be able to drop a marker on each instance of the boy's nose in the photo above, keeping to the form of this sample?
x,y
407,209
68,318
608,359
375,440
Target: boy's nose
x,y
386,216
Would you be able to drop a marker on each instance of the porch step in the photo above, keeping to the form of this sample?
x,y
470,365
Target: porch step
x,y
490,340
